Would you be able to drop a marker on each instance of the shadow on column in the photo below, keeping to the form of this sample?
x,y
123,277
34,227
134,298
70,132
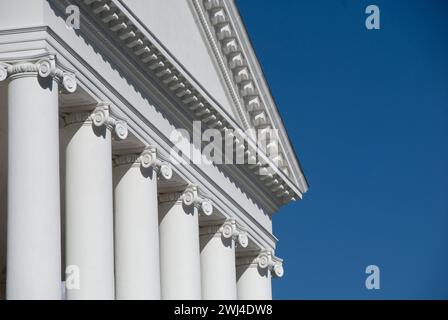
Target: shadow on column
x,y
3,184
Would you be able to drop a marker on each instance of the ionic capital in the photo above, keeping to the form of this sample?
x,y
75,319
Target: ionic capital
x,y
99,117
230,230
266,259
147,159
44,66
192,197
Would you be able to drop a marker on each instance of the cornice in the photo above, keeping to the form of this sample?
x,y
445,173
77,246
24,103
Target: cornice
x,y
96,85
214,45
229,50
234,48
159,63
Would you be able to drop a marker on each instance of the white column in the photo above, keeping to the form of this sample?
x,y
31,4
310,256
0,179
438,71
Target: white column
x,y
254,275
218,260
137,268
89,207
179,244
33,235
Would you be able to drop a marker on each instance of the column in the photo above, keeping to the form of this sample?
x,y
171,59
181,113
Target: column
x,y
254,275
218,259
33,228
137,268
88,203
179,243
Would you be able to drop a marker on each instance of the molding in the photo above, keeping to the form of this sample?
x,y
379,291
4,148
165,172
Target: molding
x,y
128,31
229,50
147,159
43,65
99,117
235,48
97,86
146,81
221,65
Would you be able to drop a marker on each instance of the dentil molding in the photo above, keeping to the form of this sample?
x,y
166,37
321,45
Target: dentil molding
x,y
233,64
127,31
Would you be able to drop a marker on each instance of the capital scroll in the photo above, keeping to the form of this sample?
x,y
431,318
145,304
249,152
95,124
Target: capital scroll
x,y
274,264
148,159
101,116
266,260
191,197
230,230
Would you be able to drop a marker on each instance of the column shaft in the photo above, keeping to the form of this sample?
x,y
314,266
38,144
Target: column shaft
x,y
33,240
89,212
179,250
136,233
217,265
253,282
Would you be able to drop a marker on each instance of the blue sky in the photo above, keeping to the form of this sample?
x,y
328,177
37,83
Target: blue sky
x,y
367,112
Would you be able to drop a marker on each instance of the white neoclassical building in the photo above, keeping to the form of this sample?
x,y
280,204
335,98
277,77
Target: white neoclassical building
x,y
106,190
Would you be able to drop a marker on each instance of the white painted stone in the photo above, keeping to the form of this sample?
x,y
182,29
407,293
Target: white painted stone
x,y
218,271
89,213
179,249
33,254
187,61
253,282
3,184
137,272
181,40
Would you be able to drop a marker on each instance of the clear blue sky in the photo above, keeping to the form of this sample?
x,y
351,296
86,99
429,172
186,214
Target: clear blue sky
x,y
367,112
